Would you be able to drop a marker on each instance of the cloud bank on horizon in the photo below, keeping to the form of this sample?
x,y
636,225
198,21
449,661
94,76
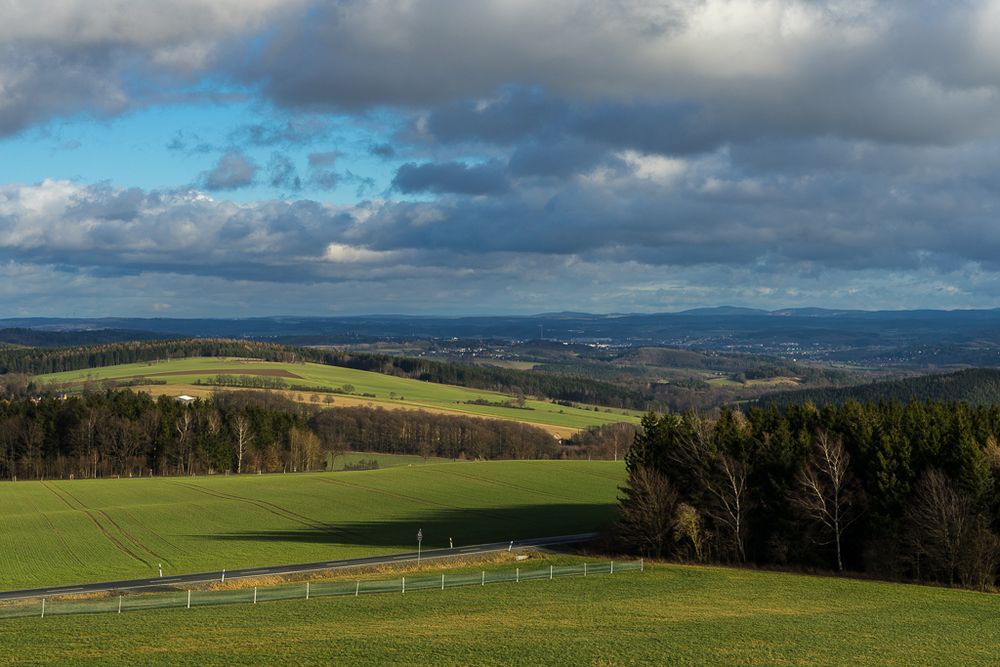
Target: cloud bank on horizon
x,y
444,156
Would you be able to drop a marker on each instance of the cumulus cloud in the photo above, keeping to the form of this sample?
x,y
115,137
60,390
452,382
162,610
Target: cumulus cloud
x,y
65,57
233,170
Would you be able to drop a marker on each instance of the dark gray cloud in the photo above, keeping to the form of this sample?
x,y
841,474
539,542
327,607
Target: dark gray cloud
x,y
385,151
451,177
856,70
233,170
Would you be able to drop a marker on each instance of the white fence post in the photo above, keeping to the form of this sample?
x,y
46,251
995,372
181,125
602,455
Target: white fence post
x,y
517,575
255,595
404,584
585,569
357,589
307,590
119,603
442,582
43,607
189,599
640,565
223,575
612,567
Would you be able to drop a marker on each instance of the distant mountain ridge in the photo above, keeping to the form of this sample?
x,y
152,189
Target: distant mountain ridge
x,y
922,338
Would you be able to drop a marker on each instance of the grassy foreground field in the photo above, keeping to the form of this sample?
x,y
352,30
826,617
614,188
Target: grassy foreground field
x,y
384,389
63,532
668,615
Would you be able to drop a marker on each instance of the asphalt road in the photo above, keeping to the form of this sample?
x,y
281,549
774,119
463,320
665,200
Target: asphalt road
x,y
203,577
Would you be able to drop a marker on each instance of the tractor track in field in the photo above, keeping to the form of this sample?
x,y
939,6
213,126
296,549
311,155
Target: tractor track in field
x,y
57,532
111,538
509,485
271,508
400,496
153,532
132,538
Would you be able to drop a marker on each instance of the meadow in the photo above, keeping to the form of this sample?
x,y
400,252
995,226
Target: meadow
x,y
669,614
62,532
181,375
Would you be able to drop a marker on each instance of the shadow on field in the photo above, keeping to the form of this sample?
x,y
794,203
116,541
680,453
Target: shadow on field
x,y
464,526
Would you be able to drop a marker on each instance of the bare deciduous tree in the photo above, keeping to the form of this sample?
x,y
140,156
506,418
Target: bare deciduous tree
x,y
242,429
727,484
185,448
647,511
822,488
937,519
688,527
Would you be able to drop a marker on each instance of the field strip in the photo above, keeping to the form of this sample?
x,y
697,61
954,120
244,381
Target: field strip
x,y
271,508
401,496
496,482
347,401
121,530
111,538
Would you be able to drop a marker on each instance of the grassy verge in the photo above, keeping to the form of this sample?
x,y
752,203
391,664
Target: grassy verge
x,y
670,614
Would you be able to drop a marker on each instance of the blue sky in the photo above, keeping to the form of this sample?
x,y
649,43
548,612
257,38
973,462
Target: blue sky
x,y
256,157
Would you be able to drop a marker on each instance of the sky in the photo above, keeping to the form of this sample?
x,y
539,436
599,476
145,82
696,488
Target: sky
x,y
231,158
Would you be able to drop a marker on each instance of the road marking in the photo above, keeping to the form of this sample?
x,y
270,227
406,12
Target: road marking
x,y
169,581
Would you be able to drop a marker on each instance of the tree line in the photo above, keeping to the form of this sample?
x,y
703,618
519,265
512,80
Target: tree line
x,y
979,386
903,491
121,433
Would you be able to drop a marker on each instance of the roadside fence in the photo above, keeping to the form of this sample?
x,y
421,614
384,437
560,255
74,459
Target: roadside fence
x,y
124,601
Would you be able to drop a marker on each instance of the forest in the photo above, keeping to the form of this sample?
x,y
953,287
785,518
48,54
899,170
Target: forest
x,y
121,433
979,386
894,490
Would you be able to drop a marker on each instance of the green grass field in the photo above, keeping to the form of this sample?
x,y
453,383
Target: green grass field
x,y
386,388
670,614
61,532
